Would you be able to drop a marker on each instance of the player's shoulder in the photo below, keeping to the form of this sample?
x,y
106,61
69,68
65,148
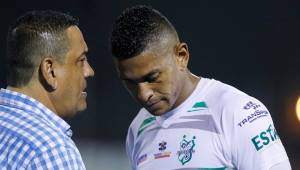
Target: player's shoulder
x,y
141,120
223,95
226,100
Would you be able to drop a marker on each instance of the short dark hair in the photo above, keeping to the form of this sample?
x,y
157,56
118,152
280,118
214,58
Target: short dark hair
x,y
35,35
135,29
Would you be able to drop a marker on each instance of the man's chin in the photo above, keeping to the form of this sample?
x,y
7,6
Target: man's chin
x,y
158,112
82,107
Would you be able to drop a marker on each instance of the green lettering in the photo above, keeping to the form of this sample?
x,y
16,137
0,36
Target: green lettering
x,y
263,136
256,143
269,130
275,134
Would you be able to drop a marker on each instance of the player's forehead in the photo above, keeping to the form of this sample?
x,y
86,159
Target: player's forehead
x,y
140,66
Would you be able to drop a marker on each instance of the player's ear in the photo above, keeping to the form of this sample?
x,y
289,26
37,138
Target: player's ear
x,y
182,55
47,73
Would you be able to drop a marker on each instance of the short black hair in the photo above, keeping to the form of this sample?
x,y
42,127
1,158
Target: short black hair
x,y
35,35
135,29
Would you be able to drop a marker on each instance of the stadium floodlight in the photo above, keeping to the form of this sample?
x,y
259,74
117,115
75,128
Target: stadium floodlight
x,y
298,108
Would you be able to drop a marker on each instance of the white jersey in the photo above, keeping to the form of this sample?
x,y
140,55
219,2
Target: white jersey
x,y
217,127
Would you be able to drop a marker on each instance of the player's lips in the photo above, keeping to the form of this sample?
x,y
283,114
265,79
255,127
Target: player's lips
x,y
154,104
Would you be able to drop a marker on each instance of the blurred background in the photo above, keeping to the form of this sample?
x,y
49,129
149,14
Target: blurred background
x,y
252,45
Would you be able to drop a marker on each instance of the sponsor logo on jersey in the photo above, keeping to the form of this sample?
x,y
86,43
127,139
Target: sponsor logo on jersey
x,y
253,116
146,123
186,150
162,146
162,155
142,159
198,106
250,105
265,138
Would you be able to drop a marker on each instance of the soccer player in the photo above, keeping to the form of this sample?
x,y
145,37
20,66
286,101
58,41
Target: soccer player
x,y
187,121
48,67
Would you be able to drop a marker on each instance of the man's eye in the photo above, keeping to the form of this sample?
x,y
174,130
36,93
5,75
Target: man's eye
x,y
152,78
82,60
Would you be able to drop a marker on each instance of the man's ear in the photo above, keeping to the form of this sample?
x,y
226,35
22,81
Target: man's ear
x,y
47,73
182,55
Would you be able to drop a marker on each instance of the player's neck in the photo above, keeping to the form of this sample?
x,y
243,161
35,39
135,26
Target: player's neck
x,y
190,84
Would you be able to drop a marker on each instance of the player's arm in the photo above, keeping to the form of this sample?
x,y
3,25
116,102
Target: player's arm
x,y
282,165
129,147
256,143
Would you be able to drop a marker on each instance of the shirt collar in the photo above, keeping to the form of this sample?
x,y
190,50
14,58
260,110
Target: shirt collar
x,y
24,102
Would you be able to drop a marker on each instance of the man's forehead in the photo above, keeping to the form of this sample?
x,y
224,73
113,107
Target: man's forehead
x,y
76,37
74,34
136,70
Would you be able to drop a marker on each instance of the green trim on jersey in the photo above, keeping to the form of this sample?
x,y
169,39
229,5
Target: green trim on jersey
x,y
198,106
146,123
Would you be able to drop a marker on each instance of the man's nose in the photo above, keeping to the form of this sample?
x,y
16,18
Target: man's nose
x,y
89,71
144,92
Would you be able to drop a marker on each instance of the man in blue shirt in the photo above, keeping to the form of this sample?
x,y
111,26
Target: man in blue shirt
x,y
48,67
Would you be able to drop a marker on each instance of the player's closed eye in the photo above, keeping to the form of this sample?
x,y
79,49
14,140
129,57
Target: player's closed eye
x,y
152,78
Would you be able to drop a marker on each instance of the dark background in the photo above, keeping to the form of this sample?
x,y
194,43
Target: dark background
x,y
252,45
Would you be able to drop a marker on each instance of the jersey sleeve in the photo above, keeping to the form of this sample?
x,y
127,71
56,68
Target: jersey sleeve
x,y
129,147
255,143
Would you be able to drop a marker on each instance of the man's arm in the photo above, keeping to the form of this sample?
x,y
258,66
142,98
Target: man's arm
x,y
58,157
